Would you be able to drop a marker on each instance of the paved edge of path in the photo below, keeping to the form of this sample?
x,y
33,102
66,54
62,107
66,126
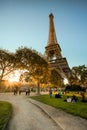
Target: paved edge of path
x,y
64,122
36,103
45,108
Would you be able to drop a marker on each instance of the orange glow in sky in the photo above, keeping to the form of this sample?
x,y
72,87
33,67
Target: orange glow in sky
x,y
14,77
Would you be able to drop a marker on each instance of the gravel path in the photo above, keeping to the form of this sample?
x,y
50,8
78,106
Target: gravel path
x,y
64,120
27,116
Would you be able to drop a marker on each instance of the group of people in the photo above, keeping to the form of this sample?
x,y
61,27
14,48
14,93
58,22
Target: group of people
x,y
73,99
58,95
16,90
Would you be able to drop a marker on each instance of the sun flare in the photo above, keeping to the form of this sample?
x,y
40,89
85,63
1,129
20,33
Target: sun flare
x,y
14,77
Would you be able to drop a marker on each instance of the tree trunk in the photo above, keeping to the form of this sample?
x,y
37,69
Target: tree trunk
x,y
38,88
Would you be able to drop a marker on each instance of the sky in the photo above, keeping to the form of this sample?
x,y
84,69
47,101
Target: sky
x,y
26,23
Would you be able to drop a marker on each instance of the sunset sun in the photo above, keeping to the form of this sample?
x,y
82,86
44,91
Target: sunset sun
x,y
14,77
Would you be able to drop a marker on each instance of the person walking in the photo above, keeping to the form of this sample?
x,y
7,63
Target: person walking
x,y
50,92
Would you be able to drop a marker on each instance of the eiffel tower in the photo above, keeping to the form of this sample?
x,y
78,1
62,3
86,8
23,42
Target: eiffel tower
x,y
53,52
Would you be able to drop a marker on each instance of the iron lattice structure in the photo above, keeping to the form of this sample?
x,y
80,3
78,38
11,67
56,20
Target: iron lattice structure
x,y
53,52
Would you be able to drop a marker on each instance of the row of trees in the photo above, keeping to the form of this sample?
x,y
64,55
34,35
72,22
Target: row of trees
x,y
33,64
36,68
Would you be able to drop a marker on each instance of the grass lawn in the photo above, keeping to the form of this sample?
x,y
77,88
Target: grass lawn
x,y
78,108
5,111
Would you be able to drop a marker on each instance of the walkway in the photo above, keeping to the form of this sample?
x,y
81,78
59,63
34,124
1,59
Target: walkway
x,y
29,114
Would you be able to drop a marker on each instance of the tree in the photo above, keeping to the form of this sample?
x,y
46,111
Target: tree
x,y
74,88
55,78
7,63
79,75
35,64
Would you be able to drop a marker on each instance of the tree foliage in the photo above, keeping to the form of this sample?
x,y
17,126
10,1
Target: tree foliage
x,y
79,75
37,67
7,63
31,61
74,88
55,78
29,58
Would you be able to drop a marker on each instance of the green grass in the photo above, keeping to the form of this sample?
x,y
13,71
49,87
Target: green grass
x,y
79,108
5,111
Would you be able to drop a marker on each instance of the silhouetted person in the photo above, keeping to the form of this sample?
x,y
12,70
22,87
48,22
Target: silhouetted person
x,y
83,98
15,91
50,93
28,92
74,99
58,95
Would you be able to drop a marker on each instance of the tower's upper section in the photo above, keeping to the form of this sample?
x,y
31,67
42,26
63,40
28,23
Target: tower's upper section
x,y
52,34
53,49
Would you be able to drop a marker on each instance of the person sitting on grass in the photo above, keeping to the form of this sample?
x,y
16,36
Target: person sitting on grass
x,y
74,99
68,99
58,95
83,98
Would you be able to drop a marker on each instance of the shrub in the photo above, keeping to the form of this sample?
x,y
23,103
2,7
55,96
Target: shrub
x,y
74,88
